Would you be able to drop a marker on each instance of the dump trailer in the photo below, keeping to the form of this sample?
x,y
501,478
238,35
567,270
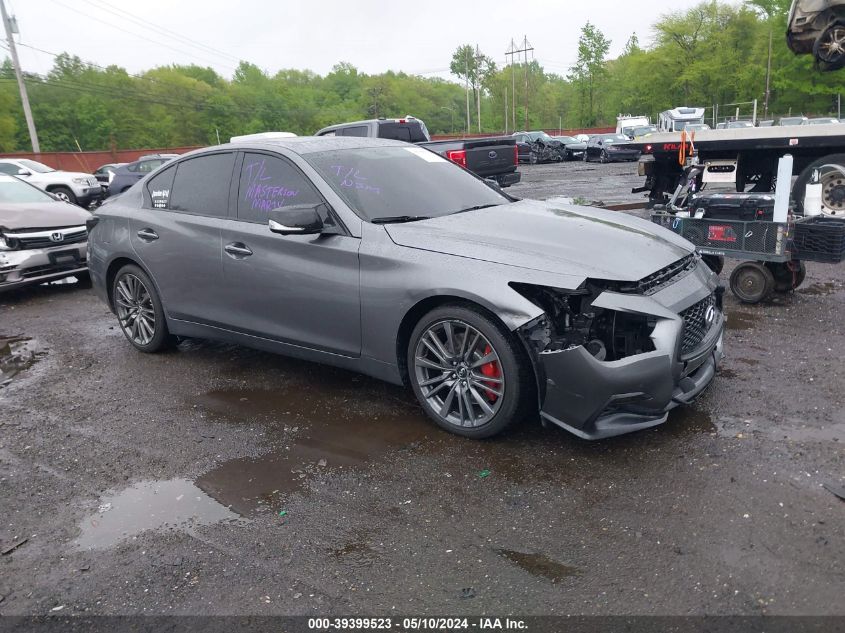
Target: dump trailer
x,y
748,157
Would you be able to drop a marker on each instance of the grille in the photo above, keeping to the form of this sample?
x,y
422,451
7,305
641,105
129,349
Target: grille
x,y
656,281
42,239
695,323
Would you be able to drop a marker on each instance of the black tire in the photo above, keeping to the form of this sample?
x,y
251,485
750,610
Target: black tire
x,y
785,278
603,157
533,159
161,338
518,382
832,38
64,193
716,263
752,282
800,186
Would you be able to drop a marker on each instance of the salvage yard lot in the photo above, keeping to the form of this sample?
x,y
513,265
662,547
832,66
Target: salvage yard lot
x,y
317,491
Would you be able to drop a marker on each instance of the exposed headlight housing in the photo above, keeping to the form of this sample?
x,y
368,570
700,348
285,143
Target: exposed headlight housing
x,y
6,244
80,181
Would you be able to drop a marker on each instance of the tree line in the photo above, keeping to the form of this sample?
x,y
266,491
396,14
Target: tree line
x,y
713,53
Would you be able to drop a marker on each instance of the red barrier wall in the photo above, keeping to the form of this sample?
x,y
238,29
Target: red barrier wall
x,y
89,161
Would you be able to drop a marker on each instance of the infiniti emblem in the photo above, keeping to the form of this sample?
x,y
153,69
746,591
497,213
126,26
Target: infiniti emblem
x,y
492,154
56,237
710,315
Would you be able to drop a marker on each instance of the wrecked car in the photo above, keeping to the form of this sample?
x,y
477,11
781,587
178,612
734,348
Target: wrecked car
x,y
817,27
340,250
42,238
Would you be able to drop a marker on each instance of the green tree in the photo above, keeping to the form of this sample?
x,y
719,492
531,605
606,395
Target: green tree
x,y
589,70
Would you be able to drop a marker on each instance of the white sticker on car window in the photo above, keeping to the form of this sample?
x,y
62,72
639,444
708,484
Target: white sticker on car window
x,y
426,155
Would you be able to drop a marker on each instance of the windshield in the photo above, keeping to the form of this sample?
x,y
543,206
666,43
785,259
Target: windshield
x,y
386,182
615,138
568,140
14,191
35,166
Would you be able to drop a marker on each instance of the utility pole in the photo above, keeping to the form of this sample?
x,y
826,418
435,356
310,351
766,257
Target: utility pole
x,y
526,46
33,135
768,76
466,84
478,57
512,52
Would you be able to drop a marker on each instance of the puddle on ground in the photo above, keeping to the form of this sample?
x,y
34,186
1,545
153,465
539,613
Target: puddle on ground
x,y
540,565
336,431
355,554
748,361
739,320
176,504
17,353
819,288
727,373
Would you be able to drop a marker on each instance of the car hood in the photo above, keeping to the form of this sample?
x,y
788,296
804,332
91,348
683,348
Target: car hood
x,y
550,237
42,215
576,146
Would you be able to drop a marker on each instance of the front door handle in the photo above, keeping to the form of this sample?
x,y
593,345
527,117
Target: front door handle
x,y
237,250
148,235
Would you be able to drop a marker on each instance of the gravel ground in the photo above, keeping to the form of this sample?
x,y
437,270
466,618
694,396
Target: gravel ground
x,y
215,479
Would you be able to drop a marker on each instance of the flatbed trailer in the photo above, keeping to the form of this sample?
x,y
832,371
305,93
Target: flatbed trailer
x,y
750,156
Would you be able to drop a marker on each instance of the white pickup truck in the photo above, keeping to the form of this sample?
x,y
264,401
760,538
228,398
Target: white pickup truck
x,y
70,186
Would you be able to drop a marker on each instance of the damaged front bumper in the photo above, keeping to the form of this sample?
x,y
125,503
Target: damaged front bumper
x,y
595,399
36,265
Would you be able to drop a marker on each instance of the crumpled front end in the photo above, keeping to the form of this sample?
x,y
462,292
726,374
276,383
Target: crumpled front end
x,y
615,358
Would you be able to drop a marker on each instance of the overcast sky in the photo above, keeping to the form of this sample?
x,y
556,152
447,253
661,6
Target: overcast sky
x,y
415,37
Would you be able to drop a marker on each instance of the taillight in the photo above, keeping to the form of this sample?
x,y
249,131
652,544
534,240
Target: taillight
x,y
516,155
458,156
648,149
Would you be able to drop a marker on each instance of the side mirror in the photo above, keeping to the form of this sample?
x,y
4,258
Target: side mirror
x,y
300,219
24,172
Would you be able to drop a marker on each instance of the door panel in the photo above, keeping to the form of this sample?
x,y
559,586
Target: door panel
x,y
300,289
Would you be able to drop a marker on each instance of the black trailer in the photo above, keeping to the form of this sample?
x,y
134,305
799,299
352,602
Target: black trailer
x,y
749,156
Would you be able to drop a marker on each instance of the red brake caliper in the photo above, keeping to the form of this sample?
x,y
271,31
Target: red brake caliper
x,y
491,370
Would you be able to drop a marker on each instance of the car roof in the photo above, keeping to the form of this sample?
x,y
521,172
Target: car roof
x,y
306,144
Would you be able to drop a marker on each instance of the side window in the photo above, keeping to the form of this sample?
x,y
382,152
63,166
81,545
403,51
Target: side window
x,y
201,185
9,168
267,183
133,167
357,130
159,188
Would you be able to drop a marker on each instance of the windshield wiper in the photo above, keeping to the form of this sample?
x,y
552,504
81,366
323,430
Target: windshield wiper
x,y
476,208
397,219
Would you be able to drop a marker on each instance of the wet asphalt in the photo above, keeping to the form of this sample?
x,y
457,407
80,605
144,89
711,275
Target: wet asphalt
x,y
216,479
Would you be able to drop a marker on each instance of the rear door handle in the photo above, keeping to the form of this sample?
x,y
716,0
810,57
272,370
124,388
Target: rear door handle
x,y
148,235
237,250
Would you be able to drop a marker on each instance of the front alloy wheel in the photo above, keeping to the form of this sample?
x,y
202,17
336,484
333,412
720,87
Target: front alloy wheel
x,y
469,373
459,373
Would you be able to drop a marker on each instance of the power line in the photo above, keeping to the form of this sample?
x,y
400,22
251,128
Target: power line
x,y
138,35
126,15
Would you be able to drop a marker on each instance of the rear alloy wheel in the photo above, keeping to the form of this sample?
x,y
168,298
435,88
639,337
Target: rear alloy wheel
x,y
603,157
139,310
64,194
466,372
752,282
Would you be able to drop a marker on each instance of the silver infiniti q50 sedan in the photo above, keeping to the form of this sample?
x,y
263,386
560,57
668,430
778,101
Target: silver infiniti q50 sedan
x,y
384,258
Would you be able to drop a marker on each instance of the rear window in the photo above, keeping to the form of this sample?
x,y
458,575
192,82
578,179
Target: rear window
x,y
410,131
357,130
159,187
